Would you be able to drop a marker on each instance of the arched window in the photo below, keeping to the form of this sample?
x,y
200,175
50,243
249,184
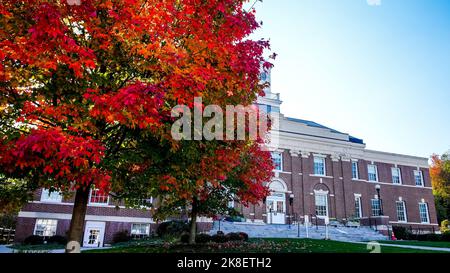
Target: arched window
x,y
321,203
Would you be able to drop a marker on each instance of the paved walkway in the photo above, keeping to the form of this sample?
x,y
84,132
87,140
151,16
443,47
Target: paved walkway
x,y
5,249
413,247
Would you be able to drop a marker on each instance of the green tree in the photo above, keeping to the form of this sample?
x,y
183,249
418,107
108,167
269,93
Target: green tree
x,y
440,178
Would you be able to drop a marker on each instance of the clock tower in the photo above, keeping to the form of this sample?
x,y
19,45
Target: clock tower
x,y
271,102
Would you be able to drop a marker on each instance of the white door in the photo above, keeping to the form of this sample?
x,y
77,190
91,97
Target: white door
x,y
276,208
94,234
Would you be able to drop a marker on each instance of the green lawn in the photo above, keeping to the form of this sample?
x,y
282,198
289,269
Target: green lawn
x,y
254,246
418,243
24,248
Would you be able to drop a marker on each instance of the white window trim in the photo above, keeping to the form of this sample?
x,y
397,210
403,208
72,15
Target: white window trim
x,y
357,171
421,178
358,197
140,234
376,173
405,213
399,176
325,194
371,206
281,161
36,224
97,204
428,213
323,157
45,194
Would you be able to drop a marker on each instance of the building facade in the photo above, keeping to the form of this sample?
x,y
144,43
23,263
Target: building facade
x,y
320,173
323,173
49,214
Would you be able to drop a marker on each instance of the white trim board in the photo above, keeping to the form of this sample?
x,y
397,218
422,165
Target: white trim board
x,y
89,205
66,216
391,184
413,223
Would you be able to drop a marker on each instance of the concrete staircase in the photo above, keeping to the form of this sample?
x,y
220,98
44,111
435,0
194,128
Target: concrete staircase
x,y
260,230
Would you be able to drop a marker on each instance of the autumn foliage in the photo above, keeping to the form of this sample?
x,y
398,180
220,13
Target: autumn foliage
x,y
85,87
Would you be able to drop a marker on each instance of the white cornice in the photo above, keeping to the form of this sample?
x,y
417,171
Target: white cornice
x,y
319,145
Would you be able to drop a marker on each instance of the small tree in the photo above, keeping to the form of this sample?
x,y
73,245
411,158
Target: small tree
x,y
440,178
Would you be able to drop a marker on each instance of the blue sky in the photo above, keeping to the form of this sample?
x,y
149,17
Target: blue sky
x,y
378,72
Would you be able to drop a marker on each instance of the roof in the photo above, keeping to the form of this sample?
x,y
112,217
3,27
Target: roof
x,y
317,125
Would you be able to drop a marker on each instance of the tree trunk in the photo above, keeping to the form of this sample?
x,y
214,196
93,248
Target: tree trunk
x,y
193,228
77,223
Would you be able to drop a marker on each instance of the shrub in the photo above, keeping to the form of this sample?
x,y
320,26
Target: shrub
x,y
57,239
203,238
184,238
234,236
446,236
34,240
174,228
445,226
235,219
219,238
121,236
244,236
220,232
237,236
401,233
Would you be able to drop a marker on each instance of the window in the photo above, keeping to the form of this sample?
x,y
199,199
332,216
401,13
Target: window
x,y
423,211
418,177
401,211
321,205
355,174
376,207
373,172
263,76
98,198
231,204
140,230
396,176
262,107
45,227
358,208
319,165
277,161
54,196
273,109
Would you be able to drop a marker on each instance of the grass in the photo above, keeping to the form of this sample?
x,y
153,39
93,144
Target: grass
x,y
36,248
253,246
419,243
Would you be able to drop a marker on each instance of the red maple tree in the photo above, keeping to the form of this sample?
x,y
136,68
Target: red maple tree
x,y
82,83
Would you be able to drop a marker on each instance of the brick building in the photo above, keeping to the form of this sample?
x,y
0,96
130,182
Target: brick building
x,y
320,172
325,173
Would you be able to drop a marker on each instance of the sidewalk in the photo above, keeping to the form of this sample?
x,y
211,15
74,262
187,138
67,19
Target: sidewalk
x,y
413,247
5,249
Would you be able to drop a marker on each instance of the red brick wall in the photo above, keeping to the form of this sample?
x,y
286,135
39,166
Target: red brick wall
x,y
297,176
